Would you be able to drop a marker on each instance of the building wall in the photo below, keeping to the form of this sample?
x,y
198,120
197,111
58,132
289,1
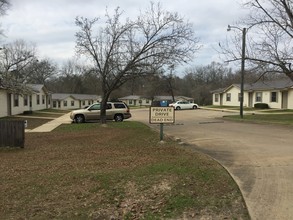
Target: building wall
x,y
216,99
233,94
84,103
3,101
137,102
68,103
39,101
71,103
18,105
266,97
21,103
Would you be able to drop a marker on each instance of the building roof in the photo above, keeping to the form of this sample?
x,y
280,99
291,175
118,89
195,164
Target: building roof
x,y
37,87
165,98
270,85
156,98
62,96
279,84
131,97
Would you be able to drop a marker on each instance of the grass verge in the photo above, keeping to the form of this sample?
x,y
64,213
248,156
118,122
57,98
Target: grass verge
x,y
283,119
86,171
31,122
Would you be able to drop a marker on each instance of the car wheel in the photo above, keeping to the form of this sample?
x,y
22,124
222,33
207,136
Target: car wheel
x,y
118,117
79,118
194,107
178,108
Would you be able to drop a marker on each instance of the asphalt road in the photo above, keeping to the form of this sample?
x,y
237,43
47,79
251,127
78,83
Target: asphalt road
x,y
259,157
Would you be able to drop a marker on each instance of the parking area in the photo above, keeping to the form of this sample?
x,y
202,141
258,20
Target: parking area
x,y
258,156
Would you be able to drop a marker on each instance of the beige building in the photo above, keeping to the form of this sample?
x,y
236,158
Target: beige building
x,y
73,101
137,100
31,97
277,94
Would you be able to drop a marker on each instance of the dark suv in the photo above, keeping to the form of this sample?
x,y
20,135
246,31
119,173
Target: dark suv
x,y
117,111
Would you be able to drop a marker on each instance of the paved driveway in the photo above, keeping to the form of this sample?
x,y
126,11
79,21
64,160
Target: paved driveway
x,y
259,157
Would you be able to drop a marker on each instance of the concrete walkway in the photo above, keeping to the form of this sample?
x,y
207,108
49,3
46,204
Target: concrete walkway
x,y
51,125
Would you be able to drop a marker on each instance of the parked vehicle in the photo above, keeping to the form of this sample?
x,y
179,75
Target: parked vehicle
x,y
183,105
117,111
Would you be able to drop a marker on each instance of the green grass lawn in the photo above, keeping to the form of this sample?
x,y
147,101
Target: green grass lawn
x,y
86,171
284,119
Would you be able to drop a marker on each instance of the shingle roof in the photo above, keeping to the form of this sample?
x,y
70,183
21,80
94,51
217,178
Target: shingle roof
x,y
62,96
270,85
157,98
131,97
35,87
261,85
163,98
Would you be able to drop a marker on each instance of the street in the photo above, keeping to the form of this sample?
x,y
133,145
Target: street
x,y
259,157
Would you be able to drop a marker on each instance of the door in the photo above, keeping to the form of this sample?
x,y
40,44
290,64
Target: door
x,y
9,110
250,99
93,112
284,99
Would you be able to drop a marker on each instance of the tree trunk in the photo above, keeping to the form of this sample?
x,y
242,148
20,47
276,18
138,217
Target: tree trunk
x,y
103,116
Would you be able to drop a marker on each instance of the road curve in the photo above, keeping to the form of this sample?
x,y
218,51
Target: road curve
x,y
258,156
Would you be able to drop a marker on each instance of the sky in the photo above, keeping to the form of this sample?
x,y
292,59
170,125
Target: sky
x,y
50,24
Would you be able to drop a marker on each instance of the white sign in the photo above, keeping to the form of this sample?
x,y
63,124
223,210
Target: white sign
x,y
162,115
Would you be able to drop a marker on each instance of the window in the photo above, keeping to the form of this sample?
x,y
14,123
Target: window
x,y
72,103
274,97
130,102
95,107
38,99
228,97
83,102
43,99
16,100
147,101
25,100
119,105
65,103
258,97
54,104
89,102
216,97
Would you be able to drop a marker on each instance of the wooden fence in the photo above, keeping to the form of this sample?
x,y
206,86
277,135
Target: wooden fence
x,y
12,133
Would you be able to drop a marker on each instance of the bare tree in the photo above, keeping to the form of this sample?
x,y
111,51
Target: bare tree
x,y
14,58
270,35
4,6
39,71
121,50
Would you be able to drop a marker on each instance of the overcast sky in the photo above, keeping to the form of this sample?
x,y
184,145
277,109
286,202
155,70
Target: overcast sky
x,y
50,23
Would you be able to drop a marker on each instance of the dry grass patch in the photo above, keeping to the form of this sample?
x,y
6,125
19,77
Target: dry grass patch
x,y
85,171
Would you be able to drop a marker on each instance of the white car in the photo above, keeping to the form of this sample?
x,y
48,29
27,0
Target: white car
x,y
183,105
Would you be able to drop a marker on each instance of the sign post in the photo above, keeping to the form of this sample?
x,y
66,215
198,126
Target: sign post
x,y
162,115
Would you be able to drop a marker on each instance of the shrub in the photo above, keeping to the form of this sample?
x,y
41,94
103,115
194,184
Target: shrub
x,y
28,112
261,106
